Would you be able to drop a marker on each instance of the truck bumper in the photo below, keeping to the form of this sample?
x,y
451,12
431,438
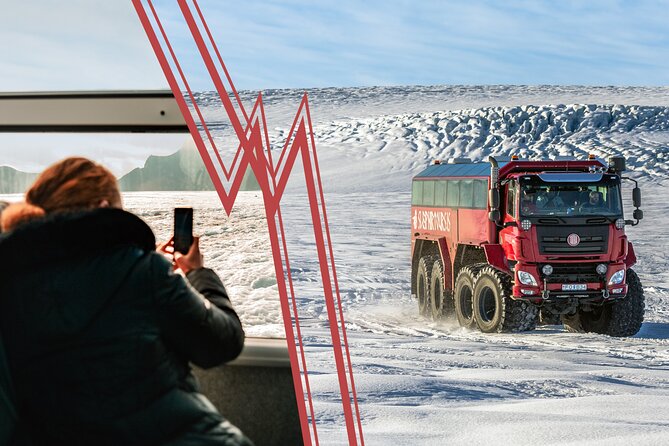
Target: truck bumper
x,y
538,295
548,291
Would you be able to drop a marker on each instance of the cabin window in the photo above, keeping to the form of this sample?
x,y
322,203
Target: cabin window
x,y
480,194
417,193
467,193
453,194
428,193
440,193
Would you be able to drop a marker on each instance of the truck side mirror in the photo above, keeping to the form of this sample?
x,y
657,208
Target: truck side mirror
x,y
636,197
637,214
495,216
493,198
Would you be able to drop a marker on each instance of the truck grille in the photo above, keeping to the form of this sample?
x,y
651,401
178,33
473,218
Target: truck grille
x,y
573,273
553,239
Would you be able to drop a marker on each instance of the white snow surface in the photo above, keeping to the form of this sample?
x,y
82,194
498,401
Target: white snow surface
x,y
421,382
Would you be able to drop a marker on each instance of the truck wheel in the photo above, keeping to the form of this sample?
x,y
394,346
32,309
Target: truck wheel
x,y
494,309
627,314
621,318
440,299
423,280
463,295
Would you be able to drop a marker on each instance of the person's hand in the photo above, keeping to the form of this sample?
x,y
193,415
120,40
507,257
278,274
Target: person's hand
x,y
167,249
191,260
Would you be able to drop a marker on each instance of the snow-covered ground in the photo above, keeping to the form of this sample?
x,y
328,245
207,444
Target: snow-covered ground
x,y
423,382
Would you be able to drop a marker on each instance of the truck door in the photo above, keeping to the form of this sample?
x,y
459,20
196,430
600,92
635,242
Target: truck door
x,y
510,214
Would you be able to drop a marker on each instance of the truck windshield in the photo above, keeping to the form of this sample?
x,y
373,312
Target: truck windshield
x,y
539,198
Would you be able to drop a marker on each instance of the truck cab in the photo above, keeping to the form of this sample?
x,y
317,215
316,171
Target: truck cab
x,y
563,235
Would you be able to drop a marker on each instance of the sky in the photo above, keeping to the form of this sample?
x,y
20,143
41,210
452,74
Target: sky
x,y
100,45
95,44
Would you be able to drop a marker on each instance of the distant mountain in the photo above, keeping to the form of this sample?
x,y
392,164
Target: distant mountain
x,y
14,181
183,170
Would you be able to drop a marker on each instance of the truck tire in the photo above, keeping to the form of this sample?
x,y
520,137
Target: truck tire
x,y
627,314
423,280
463,295
441,300
620,318
494,309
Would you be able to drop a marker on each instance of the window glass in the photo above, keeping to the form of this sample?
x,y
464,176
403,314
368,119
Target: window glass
x,y
511,200
440,193
417,193
480,194
428,193
466,193
453,193
571,198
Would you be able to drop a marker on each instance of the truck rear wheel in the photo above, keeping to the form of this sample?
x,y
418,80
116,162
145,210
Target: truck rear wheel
x,y
463,295
620,318
494,309
423,281
440,299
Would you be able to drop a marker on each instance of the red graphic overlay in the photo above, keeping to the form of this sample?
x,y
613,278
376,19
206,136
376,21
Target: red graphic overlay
x,y
254,151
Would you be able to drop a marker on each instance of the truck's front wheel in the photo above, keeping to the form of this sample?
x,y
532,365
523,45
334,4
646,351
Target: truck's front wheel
x,y
627,314
494,309
423,281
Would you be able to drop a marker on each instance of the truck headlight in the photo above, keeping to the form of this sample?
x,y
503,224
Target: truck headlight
x,y
617,277
620,223
526,278
525,225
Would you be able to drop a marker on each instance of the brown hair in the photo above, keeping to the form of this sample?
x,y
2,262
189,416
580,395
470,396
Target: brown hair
x,y
69,185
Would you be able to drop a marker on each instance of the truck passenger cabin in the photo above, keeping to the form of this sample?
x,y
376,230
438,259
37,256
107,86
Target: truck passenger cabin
x,y
505,245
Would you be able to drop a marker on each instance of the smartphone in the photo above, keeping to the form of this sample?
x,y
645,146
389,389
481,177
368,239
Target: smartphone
x,y
183,229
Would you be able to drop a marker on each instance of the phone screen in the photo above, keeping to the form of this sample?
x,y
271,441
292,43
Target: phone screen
x,y
183,229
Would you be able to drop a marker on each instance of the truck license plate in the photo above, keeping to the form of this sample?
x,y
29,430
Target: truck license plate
x,y
574,287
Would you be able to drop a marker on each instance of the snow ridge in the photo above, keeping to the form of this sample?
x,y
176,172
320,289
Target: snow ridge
x,y
409,142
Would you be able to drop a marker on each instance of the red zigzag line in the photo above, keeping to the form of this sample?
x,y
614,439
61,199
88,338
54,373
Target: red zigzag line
x,y
253,155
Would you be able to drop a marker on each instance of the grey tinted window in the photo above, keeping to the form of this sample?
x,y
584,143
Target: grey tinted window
x,y
440,193
467,193
417,193
480,194
453,193
428,193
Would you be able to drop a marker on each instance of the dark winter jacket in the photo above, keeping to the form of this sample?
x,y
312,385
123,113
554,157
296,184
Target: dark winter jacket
x,y
98,332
